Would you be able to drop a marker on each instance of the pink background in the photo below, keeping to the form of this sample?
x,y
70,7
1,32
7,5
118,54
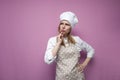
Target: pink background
x,y
26,26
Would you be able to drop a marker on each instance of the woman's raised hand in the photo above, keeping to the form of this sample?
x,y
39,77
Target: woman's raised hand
x,y
60,38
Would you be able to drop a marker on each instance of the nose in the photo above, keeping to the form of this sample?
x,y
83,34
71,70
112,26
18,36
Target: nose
x,y
63,26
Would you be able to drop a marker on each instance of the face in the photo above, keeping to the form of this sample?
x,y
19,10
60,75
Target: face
x,y
64,27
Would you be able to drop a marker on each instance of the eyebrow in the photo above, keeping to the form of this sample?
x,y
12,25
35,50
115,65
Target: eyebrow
x,y
64,23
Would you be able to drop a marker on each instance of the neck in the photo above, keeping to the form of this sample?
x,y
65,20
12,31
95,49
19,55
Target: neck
x,y
65,36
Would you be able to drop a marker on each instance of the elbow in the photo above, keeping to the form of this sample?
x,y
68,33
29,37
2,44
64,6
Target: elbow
x,y
49,58
47,61
91,53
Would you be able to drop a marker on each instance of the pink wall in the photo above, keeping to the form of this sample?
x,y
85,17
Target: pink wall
x,y
25,27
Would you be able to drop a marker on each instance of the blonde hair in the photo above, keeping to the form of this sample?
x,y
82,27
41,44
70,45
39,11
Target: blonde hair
x,y
70,38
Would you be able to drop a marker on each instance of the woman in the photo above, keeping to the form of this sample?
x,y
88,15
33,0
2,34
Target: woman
x,y
65,49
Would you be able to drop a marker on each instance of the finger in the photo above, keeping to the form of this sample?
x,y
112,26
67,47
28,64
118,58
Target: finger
x,y
81,68
61,35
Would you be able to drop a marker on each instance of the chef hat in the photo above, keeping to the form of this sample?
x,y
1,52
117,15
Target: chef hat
x,y
70,17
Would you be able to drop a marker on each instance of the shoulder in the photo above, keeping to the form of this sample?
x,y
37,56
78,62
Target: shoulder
x,y
52,39
75,37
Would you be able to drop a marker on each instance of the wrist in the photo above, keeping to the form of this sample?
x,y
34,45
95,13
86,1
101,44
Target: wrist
x,y
58,43
84,64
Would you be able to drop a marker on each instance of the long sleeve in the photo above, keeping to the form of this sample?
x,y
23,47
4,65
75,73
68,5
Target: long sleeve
x,y
49,58
85,46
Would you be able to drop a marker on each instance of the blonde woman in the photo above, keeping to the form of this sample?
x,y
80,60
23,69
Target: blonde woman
x,y
65,49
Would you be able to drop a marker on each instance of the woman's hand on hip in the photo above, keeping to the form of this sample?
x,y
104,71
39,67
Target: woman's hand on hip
x,y
81,67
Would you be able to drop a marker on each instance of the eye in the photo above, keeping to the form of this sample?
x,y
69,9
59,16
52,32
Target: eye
x,y
67,24
61,23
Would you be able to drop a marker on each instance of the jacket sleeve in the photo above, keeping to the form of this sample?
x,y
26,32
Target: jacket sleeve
x,y
49,58
88,48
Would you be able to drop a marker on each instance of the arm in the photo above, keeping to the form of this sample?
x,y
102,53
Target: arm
x,y
52,49
55,49
87,60
49,58
90,53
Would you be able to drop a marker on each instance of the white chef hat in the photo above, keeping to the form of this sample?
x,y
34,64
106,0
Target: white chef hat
x,y
70,17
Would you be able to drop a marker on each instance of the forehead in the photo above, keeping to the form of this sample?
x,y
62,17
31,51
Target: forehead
x,y
64,21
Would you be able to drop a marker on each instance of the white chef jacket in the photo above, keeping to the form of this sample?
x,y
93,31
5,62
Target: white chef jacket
x,y
49,58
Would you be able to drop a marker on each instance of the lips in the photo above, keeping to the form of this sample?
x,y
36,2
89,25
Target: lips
x,y
62,30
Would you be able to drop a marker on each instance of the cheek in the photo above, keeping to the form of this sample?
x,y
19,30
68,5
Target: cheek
x,y
60,27
68,30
